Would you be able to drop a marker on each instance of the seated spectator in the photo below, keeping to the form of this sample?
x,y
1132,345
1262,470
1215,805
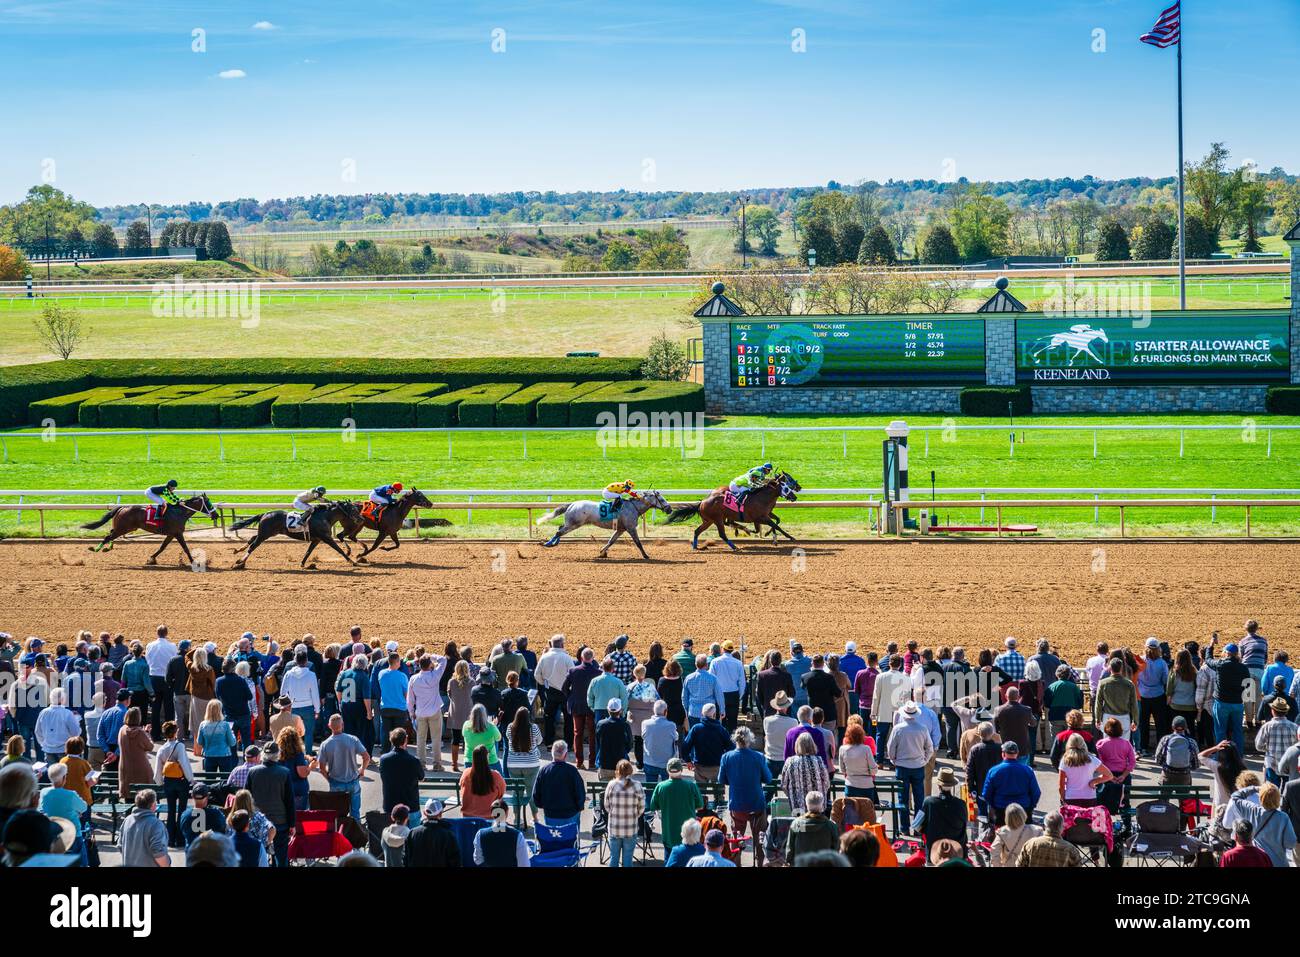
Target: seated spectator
x,y
501,844
688,848
860,847
432,843
1012,837
1050,849
393,839
811,831
201,816
714,842
1244,853
251,852
946,852
943,815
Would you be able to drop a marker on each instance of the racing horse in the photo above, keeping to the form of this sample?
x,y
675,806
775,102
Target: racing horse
x,y
390,522
757,508
624,518
131,518
319,528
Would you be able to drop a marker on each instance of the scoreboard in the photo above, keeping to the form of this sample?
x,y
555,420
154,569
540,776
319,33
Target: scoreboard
x,y
831,353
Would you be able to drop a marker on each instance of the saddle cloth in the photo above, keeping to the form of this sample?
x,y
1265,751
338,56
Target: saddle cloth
x,y
151,516
293,523
608,510
729,501
372,512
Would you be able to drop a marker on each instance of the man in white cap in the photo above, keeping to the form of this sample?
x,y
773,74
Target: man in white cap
x,y
851,663
432,843
910,750
302,688
613,740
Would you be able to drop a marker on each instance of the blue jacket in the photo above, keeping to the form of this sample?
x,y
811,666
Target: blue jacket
x,y
559,790
796,668
110,723
1011,783
706,743
744,771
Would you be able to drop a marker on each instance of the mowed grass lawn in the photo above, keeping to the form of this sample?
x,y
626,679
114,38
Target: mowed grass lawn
x,y
462,322
1243,456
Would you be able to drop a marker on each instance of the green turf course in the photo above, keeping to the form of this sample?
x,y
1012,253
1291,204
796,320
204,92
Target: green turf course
x,y
1237,458
466,322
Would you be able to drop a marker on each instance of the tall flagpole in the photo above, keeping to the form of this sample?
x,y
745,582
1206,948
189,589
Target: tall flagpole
x,y
1182,225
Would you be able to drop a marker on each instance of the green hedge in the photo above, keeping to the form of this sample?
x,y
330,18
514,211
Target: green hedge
x,y
991,401
253,410
286,410
643,396
203,410
329,411
475,405
141,411
1283,399
22,385
545,403
88,412
62,408
395,409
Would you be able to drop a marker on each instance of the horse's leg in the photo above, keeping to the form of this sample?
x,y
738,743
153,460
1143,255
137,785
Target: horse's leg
x,y
695,539
180,540
636,540
396,542
372,546
106,545
248,549
310,548
722,534
776,527
153,559
559,532
612,539
334,545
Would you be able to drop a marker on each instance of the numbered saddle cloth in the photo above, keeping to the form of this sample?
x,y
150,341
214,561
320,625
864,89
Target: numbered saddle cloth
x,y
295,523
151,516
610,510
731,502
372,512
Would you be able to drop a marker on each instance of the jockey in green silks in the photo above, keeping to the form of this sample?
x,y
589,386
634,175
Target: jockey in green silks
x,y
742,485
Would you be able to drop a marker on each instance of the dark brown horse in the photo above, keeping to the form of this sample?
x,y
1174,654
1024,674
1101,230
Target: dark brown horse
x,y
390,522
131,518
318,529
757,508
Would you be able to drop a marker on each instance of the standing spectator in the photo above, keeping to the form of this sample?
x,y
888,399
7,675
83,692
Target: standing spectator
x,y
514,698
350,692
804,771
1096,667
294,760
957,684
162,706
624,660
143,839
676,799
200,686
1011,661
272,794
1265,712
214,741
851,663
576,685
55,725
981,759
670,691
1050,850
699,689
1152,700
605,687
1177,754
1116,752
641,698
858,764
823,691
1061,697
1234,690
1015,722
773,680
892,688
459,705
744,772
424,703
911,749
236,700
864,687
552,669
1080,774
1180,691
486,693
178,680
110,724
1116,697
943,816
624,807
481,785
776,728
343,760
706,743
685,659
1272,830
136,679
134,745
1010,782
1273,740
302,688
1254,655
798,666
507,661
659,735
1031,689
400,773
478,730
729,674
613,740
523,750
812,831
559,790
655,662
174,774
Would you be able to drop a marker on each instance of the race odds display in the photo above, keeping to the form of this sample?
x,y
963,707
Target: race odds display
x,y
837,353
1189,348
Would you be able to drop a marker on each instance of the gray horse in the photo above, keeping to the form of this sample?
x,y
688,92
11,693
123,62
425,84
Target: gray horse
x,y
578,514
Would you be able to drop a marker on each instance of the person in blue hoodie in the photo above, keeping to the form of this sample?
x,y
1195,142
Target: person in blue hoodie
x,y
1010,783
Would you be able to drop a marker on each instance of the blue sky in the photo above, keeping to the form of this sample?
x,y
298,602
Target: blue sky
x,y
708,94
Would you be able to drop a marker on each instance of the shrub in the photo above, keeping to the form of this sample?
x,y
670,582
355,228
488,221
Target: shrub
x,y
472,406
543,403
665,360
141,411
645,397
1283,400
286,410
61,408
395,409
203,409
328,410
991,401
1112,243
255,409
88,412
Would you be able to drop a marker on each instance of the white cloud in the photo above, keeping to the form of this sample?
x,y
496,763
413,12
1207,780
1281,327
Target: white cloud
x,y
232,74
264,25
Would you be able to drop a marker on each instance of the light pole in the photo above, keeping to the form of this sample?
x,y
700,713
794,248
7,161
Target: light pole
x,y
148,212
744,236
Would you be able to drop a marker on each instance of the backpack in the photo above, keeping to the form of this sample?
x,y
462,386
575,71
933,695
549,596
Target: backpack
x,y
1178,753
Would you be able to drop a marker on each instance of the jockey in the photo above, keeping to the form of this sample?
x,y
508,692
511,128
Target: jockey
x,y
387,494
742,485
304,503
620,492
163,495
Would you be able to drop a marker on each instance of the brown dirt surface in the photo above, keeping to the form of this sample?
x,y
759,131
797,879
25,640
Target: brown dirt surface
x,y
475,593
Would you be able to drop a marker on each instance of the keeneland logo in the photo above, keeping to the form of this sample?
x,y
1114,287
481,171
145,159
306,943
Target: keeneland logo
x,y
74,910
1079,338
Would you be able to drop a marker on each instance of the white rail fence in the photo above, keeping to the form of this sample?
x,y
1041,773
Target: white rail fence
x,y
231,503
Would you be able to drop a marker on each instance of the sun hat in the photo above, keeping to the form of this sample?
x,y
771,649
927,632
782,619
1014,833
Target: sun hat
x,y
782,700
946,778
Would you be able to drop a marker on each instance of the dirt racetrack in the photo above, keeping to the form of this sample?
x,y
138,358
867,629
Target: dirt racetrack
x,y
940,593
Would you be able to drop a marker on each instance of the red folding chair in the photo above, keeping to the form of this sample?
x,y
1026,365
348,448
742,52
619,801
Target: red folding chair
x,y
316,837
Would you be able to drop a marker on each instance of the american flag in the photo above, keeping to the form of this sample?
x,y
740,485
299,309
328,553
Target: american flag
x,y
1167,29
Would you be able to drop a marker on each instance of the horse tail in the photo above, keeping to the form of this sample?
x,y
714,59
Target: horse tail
x,y
247,522
551,515
101,520
682,513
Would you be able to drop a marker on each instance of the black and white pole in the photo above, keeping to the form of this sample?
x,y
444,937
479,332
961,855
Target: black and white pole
x,y
895,447
29,285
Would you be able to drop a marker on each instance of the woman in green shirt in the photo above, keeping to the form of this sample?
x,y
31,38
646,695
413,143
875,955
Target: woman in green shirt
x,y
479,730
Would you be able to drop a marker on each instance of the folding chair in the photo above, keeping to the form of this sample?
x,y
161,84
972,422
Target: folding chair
x,y
316,838
1160,838
559,846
